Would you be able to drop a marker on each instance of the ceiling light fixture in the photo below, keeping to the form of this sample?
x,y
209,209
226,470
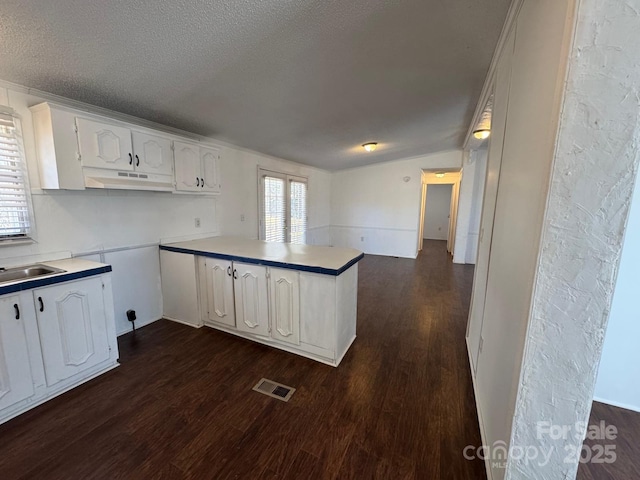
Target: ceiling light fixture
x,y
370,147
439,175
482,134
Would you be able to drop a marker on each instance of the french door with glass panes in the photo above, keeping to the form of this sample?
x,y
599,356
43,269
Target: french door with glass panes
x,y
283,207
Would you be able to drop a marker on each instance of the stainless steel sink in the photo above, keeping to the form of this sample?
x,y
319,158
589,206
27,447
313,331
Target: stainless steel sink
x,y
25,273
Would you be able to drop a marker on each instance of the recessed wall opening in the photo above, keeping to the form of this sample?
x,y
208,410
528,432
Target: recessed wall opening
x,y
439,207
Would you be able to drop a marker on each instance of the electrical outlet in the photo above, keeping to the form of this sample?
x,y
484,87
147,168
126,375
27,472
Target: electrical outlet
x,y
362,239
197,222
242,217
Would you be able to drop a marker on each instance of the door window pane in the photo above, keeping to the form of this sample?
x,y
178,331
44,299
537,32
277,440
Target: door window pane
x,y
274,209
298,209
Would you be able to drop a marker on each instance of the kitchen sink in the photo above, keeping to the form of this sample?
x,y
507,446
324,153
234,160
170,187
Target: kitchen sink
x,y
25,273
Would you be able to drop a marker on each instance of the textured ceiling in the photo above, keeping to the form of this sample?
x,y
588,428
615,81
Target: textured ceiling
x,y
308,81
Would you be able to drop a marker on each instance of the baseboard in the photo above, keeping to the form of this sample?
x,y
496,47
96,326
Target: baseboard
x,y
138,325
625,406
27,405
177,320
483,436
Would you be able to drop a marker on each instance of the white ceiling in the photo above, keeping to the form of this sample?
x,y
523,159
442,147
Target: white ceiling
x,y
308,81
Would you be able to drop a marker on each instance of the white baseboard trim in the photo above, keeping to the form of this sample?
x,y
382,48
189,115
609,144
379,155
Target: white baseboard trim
x,y
633,408
138,325
483,437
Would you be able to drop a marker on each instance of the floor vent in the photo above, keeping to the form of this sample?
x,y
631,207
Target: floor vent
x,y
274,389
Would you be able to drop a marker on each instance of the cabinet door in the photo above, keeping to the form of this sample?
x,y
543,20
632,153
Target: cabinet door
x,y
187,166
152,154
210,169
104,146
250,289
16,381
73,328
220,306
285,305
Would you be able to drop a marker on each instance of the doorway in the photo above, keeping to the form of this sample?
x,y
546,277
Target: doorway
x,y
439,207
437,212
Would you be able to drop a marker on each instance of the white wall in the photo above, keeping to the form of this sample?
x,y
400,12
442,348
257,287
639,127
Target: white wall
x,y
538,63
470,207
619,372
374,210
595,165
123,228
240,195
436,214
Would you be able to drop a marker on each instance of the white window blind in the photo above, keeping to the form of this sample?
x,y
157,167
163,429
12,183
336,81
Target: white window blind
x,y
283,207
298,198
274,209
15,213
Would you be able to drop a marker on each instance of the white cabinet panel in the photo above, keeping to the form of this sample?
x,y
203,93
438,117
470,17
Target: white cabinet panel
x,y
73,328
187,166
219,291
179,288
104,146
152,153
210,169
252,307
16,381
285,305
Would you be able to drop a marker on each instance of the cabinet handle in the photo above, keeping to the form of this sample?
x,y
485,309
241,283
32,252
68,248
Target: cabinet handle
x,y
234,274
137,161
41,304
197,181
130,159
202,182
15,305
229,270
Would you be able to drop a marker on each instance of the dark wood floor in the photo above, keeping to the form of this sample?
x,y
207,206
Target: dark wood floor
x,y
400,406
627,445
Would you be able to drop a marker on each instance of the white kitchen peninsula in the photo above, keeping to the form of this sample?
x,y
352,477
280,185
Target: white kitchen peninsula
x,y
299,298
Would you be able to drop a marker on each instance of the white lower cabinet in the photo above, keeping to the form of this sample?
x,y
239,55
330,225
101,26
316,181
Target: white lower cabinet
x,y
73,328
179,288
241,296
251,298
52,339
219,292
285,305
16,379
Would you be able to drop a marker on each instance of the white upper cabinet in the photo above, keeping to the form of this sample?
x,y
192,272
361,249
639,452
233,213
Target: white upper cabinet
x,y
78,150
197,168
187,166
152,153
210,159
104,146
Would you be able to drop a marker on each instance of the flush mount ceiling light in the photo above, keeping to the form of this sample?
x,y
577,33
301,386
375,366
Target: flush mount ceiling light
x,y
439,175
370,147
482,134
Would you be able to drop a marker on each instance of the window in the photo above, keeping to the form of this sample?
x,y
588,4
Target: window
x,y
283,207
15,208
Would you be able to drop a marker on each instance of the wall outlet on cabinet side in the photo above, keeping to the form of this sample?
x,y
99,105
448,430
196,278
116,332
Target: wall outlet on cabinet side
x,y
197,222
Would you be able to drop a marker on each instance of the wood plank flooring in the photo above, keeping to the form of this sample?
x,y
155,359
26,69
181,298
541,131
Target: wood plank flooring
x,y
627,445
400,406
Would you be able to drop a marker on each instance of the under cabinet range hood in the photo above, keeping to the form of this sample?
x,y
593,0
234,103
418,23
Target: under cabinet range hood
x,y
112,179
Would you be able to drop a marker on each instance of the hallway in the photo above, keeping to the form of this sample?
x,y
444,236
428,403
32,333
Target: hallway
x,y
400,406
